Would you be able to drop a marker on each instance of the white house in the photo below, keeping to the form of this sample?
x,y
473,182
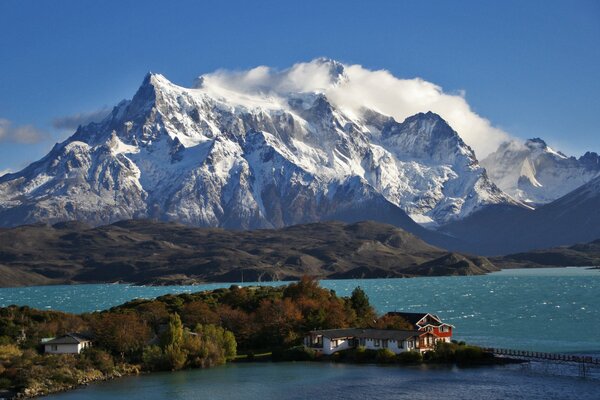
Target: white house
x,y
71,343
330,341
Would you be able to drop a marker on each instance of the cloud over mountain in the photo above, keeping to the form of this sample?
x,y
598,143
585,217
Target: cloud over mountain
x,y
353,88
72,122
23,134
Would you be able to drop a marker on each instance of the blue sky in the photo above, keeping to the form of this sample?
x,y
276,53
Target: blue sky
x,y
531,67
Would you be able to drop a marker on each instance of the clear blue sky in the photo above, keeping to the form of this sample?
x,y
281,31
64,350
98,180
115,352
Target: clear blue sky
x,y
531,67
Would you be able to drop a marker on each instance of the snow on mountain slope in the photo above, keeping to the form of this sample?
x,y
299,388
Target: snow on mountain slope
x,y
535,173
213,156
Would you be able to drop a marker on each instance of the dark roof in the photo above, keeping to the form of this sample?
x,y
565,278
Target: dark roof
x,y
413,318
367,333
69,338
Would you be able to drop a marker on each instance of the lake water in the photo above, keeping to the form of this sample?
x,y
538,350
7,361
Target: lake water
x,y
266,381
551,309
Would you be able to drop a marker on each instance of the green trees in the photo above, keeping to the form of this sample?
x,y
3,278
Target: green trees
x,y
173,335
217,345
365,314
206,346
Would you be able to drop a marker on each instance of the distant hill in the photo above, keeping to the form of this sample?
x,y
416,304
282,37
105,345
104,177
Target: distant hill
x,y
499,230
586,254
146,252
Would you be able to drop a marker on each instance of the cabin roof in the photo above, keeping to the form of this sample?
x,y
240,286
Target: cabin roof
x,y
69,338
383,334
414,318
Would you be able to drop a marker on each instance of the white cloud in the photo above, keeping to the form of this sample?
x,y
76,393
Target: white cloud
x,y
352,87
72,122
24,134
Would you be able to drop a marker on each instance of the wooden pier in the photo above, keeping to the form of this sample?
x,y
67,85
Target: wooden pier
x,y
583,362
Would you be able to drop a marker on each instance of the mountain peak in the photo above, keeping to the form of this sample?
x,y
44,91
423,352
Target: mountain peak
x,y
337,70
432,124
536,142
426,118
154,79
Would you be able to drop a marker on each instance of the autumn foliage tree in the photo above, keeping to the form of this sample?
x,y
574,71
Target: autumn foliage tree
x,y
123,334
391,322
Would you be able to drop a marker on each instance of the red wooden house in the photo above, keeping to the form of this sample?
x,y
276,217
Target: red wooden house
x,y
427,322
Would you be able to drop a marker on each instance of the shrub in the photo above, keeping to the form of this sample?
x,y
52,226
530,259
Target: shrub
x,y
99,359
4,340
174,357
444,351
9,351
469,354
298,353
5,383
385,356
410,357
361,355
152,358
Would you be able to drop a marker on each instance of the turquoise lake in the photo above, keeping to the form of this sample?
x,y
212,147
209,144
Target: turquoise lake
x,y
551,309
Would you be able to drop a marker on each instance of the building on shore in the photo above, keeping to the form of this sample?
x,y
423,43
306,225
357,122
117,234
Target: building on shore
x,y
329,341
70,343
426,330
427,322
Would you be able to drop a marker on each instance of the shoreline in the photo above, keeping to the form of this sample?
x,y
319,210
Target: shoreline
x,y
285,281
496,361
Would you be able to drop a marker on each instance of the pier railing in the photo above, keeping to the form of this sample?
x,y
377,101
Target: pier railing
x,y
537,355
585,363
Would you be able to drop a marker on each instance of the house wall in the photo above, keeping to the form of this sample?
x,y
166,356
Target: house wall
x,y
331,346
446,336
427,342
394,345
66,348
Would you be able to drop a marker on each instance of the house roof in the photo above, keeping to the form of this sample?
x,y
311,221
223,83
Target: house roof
x,y
69,338
384,334
414,318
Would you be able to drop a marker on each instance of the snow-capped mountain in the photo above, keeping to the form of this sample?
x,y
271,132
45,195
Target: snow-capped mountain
x,y
535,173
213,156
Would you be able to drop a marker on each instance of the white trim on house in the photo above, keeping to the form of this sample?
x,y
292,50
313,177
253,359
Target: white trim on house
x,y
333,340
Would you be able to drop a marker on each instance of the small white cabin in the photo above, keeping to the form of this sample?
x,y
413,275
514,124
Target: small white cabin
x,y
330,341
71,343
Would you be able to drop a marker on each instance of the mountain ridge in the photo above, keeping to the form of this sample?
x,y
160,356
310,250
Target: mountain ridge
x,y
573,218
535,173
210,156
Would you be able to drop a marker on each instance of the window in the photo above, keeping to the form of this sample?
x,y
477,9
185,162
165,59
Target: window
x,y
377,342
362,341
54,347
384,343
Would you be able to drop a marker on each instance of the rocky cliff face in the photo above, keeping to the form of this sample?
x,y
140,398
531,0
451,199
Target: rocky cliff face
x,y
210,156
